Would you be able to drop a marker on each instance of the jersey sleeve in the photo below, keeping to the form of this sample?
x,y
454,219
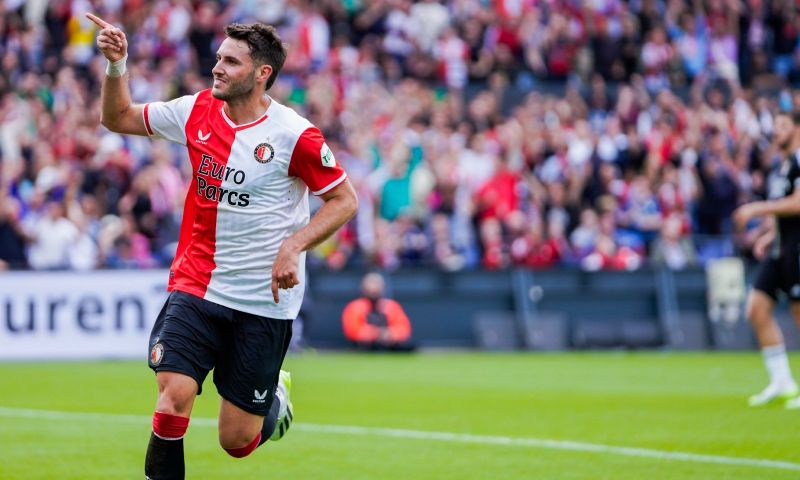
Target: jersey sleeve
x,y
167,120
313,162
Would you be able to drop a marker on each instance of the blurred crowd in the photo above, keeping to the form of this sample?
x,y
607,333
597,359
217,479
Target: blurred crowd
x,y
604,134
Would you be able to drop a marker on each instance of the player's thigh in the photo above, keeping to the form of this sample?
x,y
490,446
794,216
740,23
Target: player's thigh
x,y
184,340
247,369
792,268
767,284
790,274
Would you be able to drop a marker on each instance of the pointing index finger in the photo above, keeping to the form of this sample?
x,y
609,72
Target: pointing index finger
x,y
98,21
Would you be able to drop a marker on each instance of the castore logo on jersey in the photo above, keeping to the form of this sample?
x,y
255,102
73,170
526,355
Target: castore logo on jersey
x,y
201,138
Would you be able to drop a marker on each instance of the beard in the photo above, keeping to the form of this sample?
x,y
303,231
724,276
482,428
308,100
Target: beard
x,y
236,89
785,144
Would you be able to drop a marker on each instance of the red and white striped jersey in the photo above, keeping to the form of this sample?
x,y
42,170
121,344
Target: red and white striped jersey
x,y
249,192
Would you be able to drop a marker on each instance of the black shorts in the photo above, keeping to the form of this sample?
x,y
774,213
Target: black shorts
x,y
781,273
192,335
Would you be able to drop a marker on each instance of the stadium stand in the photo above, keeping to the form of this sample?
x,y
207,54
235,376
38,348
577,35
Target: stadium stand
x,y
493,134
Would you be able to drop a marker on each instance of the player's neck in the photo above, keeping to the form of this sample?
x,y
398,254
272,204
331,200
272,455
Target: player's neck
x,y
248,109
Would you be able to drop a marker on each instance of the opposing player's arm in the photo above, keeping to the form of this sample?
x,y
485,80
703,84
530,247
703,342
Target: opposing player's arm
x,y
781,207
119,113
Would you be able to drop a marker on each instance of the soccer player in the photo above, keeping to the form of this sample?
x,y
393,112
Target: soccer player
x,y
779,248
241,248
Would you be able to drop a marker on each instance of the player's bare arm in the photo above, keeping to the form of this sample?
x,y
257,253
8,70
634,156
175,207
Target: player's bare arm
x,y
780,207
340,205
119,113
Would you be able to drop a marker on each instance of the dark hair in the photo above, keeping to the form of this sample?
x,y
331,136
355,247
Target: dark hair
x,y
793,114
265,44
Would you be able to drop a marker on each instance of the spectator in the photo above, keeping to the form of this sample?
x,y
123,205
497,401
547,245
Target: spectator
x,y
53,239
130,248
451,52
691,42
375,323
607,255
640,214
671,249
445,252
431,18
584,238
720,187
657,55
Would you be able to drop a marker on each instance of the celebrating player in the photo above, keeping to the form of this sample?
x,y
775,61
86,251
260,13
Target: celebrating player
x,y
242,243
780,267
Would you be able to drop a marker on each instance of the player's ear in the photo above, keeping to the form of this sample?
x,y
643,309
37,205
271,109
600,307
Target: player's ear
x,y
263,72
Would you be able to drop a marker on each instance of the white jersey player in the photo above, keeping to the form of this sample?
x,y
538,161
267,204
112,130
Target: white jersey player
x,y
244,232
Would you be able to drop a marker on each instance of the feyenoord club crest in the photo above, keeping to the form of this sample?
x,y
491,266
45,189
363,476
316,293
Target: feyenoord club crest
x,y
264,152
156,354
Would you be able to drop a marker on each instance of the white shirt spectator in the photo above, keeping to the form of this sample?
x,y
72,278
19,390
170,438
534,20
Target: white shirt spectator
x,y
452,52
400,32
432,18
54,237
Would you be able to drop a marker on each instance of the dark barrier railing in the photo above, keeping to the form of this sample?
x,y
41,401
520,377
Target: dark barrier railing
x,y
542,309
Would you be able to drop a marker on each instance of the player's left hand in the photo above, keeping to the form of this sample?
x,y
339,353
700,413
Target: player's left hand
x,y
284,270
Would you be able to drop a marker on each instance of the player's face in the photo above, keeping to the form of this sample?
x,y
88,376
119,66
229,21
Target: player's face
x,y
234,73
784,129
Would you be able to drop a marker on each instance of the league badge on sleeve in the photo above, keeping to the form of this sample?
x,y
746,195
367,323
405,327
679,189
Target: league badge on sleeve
x,y
327,157
264,152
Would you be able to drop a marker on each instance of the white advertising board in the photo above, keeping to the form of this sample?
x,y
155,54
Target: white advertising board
x,y
79,315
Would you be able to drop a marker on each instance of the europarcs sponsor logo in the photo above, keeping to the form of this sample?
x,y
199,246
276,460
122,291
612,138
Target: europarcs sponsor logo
x,y
210,169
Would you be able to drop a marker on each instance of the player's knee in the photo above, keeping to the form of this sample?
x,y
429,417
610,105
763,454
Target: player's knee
x,y
758,310
239,442
174,403
751,311
176,393
234,436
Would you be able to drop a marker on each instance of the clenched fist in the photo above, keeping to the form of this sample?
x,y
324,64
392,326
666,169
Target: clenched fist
x,y
284,271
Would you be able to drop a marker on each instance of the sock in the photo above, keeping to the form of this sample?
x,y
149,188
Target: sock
x,y
271,420
164,460
777,364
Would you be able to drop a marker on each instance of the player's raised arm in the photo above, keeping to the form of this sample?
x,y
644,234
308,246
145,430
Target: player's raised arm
x,y
119,113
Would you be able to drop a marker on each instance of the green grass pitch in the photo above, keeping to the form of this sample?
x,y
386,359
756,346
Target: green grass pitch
x,y
663,402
